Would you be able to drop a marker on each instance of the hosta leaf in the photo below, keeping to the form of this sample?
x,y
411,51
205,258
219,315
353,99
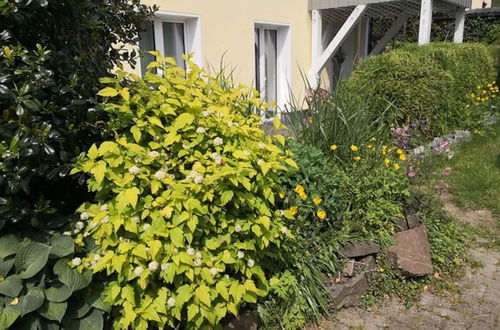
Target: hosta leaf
x,y
31,301
31,259
6,265
58,292
61,246
79,308
7,317
71,277
8,245
53,311
11,286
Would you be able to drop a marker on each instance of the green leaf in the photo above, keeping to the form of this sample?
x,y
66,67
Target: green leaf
x,y
136,133
98,171
127,197
177,237
53,311
11,286
193,310
222,290
182,121
73,279
92,321
203,294
226,196
32,300
108,92
58,292
8,245
7,317
61,246
6,265
213,243
31,259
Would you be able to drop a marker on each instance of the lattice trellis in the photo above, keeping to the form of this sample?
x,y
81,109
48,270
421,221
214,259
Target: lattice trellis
x,y
389,9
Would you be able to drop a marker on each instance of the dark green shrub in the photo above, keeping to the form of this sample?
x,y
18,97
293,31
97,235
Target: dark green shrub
x,y
51,56
429,82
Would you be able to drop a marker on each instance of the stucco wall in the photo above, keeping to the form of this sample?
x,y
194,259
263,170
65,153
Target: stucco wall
x,y
227,29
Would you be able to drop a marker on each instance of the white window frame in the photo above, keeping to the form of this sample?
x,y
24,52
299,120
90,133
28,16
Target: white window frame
x,y
192,33
283,61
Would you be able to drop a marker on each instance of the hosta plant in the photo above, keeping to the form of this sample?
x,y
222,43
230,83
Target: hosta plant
x,y
184,221
40,290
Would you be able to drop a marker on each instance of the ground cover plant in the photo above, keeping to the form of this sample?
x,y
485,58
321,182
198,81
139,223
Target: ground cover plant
x,y
184,221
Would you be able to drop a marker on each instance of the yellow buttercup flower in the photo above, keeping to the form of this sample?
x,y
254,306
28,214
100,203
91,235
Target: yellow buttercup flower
x,y
321,214
293,210
333,147
298,189
357,158
396,166
402,157
373,139
317,200
354,148
400,151
303,195
281,194
387,162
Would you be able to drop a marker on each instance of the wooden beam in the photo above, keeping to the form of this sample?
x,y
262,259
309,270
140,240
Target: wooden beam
x,y
424,29
317,44
393,30
349,24
458,36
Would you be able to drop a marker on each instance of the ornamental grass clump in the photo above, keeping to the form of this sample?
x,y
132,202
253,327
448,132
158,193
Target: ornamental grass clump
x,y
184,219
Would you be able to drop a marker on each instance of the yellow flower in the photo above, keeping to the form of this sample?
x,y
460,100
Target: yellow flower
x,y
281,194
317,200
369,146
303,195
478,87
354,148
333,147
489,85
293,210
396,166
14,302
402,157
400,151
299,189
387,162
321,214
472,95
357,158
373,139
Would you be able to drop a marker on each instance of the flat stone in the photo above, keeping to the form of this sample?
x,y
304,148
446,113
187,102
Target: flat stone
x,y
348,268
359,249
413,221
350,293
411,254
247,320
369,263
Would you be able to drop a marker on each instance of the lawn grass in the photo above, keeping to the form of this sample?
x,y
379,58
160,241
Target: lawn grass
x,y
474,179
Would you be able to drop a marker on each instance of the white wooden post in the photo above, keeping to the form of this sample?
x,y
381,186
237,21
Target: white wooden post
x,y
317,44
393,30
424,31
458,36
336,42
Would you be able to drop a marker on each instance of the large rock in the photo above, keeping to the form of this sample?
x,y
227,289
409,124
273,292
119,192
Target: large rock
x,y
408,222
411,254
359,249
350,293
247,320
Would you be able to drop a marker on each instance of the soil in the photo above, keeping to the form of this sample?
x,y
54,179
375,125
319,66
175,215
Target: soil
x,y
477,306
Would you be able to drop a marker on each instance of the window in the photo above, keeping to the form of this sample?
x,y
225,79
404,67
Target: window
x,y
172,35
272,65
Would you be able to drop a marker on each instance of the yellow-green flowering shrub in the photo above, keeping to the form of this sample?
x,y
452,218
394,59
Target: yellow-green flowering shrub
x,y
184,216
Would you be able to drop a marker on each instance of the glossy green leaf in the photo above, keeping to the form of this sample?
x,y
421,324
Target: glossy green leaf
x,y
31,259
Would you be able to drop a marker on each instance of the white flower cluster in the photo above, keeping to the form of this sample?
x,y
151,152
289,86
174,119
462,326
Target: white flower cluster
x,y
104,207
206,113
218,141
196,177
154,154
217,158
237,228
241,254
201,130
160,175
153,266
134,170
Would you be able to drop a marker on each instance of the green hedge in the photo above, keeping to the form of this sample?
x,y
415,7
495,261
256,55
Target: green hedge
x,y
429,82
